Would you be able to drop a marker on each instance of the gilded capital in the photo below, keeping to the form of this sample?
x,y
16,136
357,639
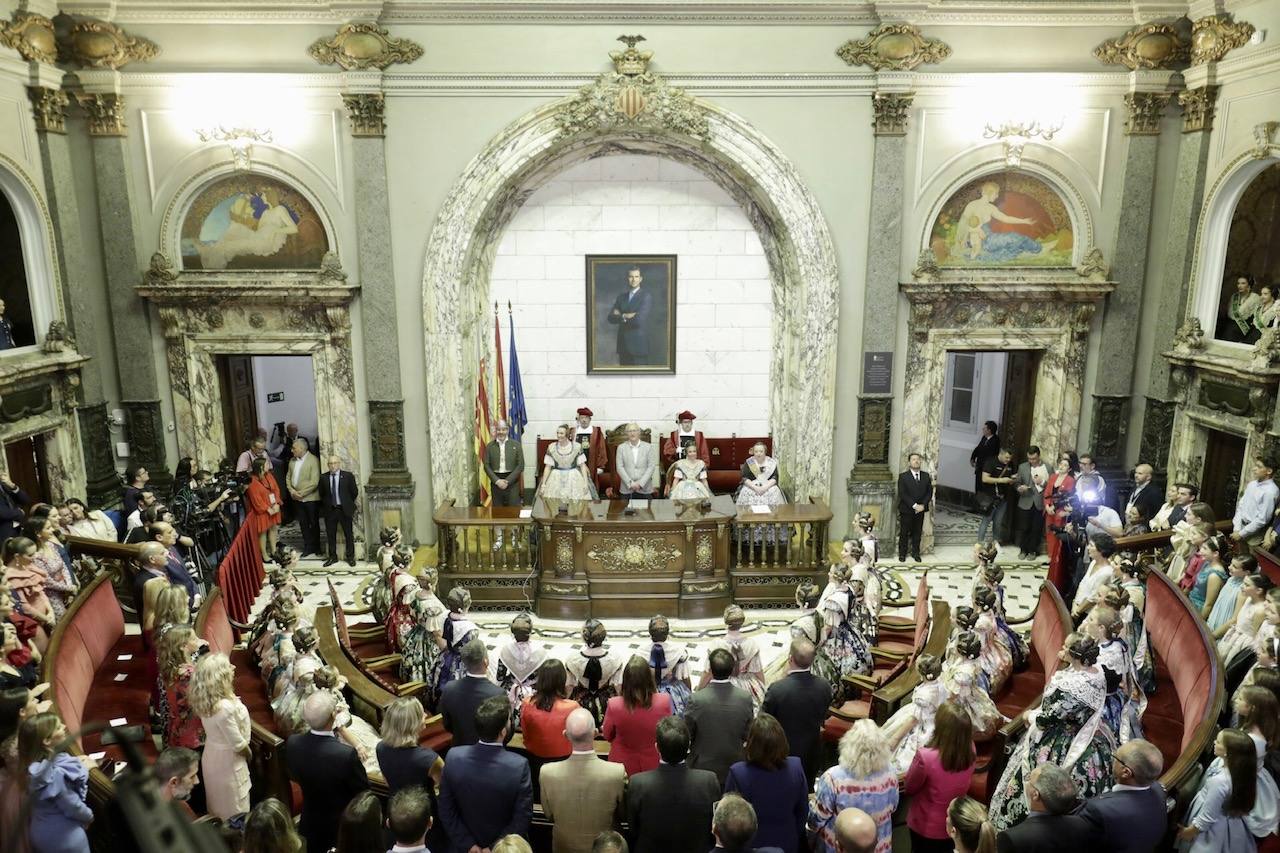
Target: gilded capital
x,y
49,107
105,112
361,46
365,111
1143,112
891,113
1213,37
893,47
31,35
1149,46
101,44
1197,108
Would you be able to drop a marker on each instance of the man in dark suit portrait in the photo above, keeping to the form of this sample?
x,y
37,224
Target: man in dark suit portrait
x,y
800,701
915,493
503,465
669,809
988,446
631,313
462,696
719,717
338,493
1131,817
1051,826
329,772
733,825
486,791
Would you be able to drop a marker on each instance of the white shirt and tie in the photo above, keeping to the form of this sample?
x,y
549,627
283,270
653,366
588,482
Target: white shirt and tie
x,y
333,488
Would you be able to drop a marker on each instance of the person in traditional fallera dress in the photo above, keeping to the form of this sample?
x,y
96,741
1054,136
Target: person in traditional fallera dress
x,y
458,630
403,586
760,480
1267,313
1133,580
996,660
353,729
854,555
1238,323
423,645
963,620
748,671
993,576
1066,730
808,625
591,440
1125,702
670,665
911,726
690,477
380,592
564,470
962,678
1243,631
515,666
297,680
595,672
842,648
866,524
682,437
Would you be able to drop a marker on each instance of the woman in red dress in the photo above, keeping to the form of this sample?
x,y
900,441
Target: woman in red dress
x,y
631,720
1060,482
263,499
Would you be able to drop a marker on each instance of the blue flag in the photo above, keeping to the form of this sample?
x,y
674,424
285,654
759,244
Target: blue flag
x,y
516,414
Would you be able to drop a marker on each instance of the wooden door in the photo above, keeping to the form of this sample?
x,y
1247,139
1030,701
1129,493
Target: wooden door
x,y
1223,464
1018,408
26,463
239,403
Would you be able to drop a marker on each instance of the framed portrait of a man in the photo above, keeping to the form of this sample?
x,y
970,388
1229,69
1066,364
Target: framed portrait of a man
x,y
631,314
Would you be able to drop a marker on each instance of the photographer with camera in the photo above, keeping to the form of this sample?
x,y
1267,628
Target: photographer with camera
x,y
202,508
997,476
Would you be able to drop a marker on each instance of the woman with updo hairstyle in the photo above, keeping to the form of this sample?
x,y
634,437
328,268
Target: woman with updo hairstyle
x,y
1122,712
1067,729
401,586
352,728
595,672
748,671
993,576
1134,571
1243,630
302,662
1212,577
380,590
808,625
516,663
911,726
996,659
670,665
422,647
844,647
969,828
962,679
457,631
963,618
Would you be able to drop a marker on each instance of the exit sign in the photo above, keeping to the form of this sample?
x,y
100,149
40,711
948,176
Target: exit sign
x,y
276,397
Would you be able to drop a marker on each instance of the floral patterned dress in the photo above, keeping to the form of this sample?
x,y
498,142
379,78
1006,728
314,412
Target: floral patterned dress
x,y
1012,640
421,655
1121,713
565,482
516,669
380,590
748,671
996,660
763,475
298,685
808,625
963,679
399,616
916,719
358,728
845,651
1066,730
691,481
671,674
595,677
59,581
458,630
1134,618
182,725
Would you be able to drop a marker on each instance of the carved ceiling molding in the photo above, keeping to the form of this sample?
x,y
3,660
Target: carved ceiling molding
x,y
101,44
1214,36
893,47
32,36
1264,135
361,46
1198,108
1144,112
365,110
49,108
1149,46
105,112
891,112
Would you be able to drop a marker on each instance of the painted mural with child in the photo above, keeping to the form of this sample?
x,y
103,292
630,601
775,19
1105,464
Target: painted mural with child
x,y
1005,219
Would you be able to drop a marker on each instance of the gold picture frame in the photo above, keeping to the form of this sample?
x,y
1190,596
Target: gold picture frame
x,y
640,341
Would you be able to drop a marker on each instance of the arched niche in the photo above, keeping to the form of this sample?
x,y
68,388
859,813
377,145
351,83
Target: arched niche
x,y
721,145
34,228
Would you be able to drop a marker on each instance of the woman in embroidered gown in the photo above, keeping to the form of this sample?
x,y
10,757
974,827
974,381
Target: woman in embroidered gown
x,y
424,644
458,630
1229,600
842,648
996,660
690,477
380,592
595,672
963,620
1243,630
59,581
854,555
993,576
866,524
911,726
748,671
760,480
515,666
403,586
808,625
1066,730
1060,484
1133,580
962,679
279,652
298,684
1267,313
1125,703
670,665
564,470
352,728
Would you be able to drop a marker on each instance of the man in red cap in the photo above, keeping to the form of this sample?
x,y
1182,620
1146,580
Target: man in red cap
x,y
591,440
673,447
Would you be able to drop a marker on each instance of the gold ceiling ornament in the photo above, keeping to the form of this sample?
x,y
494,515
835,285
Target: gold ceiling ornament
x,y
1144,112
100,44
360,46
32,36
893,47
1148,46
1214,36
105,111
634,554
49,107
891,111
632,96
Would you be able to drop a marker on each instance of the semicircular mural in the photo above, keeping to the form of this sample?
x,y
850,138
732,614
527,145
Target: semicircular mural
x,y
1005,219
248,221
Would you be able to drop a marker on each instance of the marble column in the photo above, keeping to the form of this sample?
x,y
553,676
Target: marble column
x,y
1113,387
104,108
1184,222
390,488
870,484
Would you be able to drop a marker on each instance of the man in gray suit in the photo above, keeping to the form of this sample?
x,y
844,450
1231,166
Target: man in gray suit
x,y
303,480
1029,522
503,464
719,716
636,463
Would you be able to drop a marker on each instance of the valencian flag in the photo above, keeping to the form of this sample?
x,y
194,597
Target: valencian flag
x,y
483,434
517,417
500,381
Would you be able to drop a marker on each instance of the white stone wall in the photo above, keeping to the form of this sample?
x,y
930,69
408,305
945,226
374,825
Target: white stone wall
x,y
645,205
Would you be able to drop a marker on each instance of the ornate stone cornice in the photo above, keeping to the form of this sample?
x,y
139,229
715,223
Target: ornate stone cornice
x,y
361,46
1197,108
891,113
893,47
1144,110
1264,134
1149,46
1215,36
31,35
365,111
100,44
161,273
1094,266
105,111
49,107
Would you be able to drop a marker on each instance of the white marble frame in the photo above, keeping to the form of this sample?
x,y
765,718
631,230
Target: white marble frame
x,y
40,263
1190,440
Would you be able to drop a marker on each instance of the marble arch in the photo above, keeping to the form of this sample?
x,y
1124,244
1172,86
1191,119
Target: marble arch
x,y
34,228
732,153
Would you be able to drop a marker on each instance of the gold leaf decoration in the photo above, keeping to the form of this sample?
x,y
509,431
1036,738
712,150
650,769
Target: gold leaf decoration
x,y
893,47
100,44
31,35
634,554
1149,46
360,46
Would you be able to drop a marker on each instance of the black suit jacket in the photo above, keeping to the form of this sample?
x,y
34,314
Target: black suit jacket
x,y
330,774
1044,833
486,793
11,512
633,334
1149,500
912,492
348,491
1128,821
669,809
458,703
800,702
719,716
988,446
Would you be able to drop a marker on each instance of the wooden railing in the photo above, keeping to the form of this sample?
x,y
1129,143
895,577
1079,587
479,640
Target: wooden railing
x,y
483,539
793,537
117,560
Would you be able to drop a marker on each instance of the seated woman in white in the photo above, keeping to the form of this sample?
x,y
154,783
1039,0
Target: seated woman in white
x,y
690,477
760,480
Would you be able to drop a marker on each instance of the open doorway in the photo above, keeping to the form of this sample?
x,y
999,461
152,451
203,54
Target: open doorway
x,y
1223,467
26,462
271,393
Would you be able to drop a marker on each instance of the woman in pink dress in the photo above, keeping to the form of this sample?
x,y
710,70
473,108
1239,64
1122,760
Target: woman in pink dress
x,y
631,720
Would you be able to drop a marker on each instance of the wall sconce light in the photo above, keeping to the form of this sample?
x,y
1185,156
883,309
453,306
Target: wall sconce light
x,y
1016,134
239,139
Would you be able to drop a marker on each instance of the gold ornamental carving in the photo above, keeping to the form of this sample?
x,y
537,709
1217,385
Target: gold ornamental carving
x,y
31,35
105,112
49,107
1143,112
564,557
100,44
365,111
360,46
891,111
893,47
1197,108
632,96
633,554
1148,46
705,588
1213,37
703,556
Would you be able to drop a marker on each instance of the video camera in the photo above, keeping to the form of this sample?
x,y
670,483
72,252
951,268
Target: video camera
x,y
1080,506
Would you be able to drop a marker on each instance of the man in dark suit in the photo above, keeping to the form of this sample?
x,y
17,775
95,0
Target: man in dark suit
x,y
669,809
329,772
733,825
486,791
988,446
1051,827
1145,496
462,696
1131,817
800,702
631,314
915,493
503,465
1188,493
338,493
719,716
12,500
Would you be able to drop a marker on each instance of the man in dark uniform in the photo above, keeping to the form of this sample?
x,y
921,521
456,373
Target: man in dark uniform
x,y
915,493
631,313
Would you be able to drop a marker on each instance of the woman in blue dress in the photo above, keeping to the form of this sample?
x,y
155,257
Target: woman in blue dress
x,y
458,631
57,787
1212,576
1218,819
670,665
